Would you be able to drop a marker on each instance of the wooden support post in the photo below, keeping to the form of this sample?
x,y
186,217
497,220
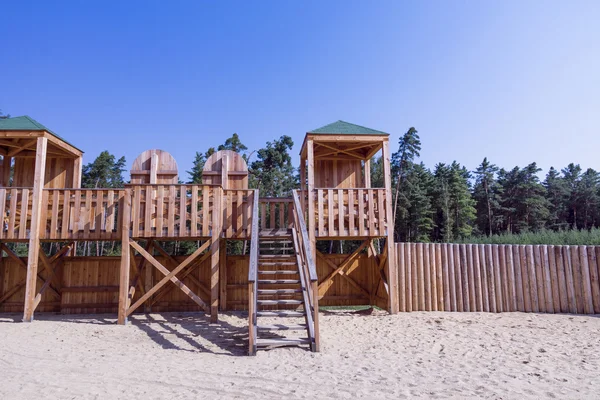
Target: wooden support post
x,y
34,234
77,167
311,197
367,180
223,275
392,271
125,254
214,250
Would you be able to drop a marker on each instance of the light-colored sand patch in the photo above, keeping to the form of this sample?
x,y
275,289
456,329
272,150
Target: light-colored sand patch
x,y
180,355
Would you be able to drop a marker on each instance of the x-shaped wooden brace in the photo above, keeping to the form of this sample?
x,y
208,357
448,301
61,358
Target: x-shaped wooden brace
x,y
169,276
382,278
328,281
46,283
187,273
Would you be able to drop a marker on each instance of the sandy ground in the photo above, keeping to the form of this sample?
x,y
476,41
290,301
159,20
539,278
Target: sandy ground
x,y
181,355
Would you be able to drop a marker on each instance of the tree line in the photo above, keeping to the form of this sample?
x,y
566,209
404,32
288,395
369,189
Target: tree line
x,y
450,203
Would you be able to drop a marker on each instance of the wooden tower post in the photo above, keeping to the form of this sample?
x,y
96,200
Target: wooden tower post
x,y
34,234
392,271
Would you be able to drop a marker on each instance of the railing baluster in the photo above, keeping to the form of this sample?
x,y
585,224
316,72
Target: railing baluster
x,y
3,211
24,212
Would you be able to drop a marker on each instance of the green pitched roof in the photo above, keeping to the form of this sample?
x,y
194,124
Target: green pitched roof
x,y
346,128
26,123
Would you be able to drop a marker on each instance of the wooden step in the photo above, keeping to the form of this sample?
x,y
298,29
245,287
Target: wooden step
x,y
282,272
264,292
276,256
279,327
275,342
285,314
278,281
276,264
276,302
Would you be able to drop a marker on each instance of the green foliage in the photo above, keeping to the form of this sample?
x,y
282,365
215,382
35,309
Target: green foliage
x,y
105,172
573,237
454,206
273,173
233,143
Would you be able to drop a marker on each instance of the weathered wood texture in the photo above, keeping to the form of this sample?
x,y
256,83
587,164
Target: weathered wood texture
x,y
58,172
350,213
276,215
182,211
226,168
154,166
499,278
91,284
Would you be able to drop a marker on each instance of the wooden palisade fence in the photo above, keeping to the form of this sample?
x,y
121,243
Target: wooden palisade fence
x,y
498,278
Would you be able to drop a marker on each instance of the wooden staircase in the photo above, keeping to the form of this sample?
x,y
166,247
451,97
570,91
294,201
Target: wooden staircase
x,y
283,305
281,296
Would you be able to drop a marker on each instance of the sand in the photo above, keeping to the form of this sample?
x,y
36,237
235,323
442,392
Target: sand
x,y
416,355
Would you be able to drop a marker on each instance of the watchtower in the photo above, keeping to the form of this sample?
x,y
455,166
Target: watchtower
x,y
341,204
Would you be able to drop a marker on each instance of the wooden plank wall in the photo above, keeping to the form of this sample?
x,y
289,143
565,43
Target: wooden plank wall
x,y
91,284
498,278
58,172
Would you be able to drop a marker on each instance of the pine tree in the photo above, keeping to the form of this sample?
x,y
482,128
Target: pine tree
x,y
487,196
104,172
557,194
233,143
273,173
589,199
409,147
572,176
415,214
523,201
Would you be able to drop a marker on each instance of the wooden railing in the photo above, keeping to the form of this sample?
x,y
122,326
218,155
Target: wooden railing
x,y
350,212
182,211
307,270
252,278
237,213
276,214
15,204
90,214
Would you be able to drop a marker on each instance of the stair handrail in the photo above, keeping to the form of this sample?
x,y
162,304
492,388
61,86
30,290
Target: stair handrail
x,y
253,276
253,269
310,261
308,264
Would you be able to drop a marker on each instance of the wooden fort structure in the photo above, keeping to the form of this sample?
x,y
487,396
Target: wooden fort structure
x,y
281,275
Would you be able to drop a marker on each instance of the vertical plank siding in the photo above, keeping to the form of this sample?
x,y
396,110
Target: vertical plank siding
x,y
350,212
499,278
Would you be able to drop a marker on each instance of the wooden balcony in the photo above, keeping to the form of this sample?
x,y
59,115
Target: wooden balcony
x,y
157,211
186,212
350,213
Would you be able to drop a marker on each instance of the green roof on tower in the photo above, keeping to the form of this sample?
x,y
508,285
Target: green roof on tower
x,y
26,123
345,128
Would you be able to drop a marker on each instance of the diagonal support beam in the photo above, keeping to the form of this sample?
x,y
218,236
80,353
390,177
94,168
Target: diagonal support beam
x,y
344,275
22,264
187,273
326,283
169,276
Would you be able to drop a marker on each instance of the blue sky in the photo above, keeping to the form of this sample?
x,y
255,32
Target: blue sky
x,y
516,81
